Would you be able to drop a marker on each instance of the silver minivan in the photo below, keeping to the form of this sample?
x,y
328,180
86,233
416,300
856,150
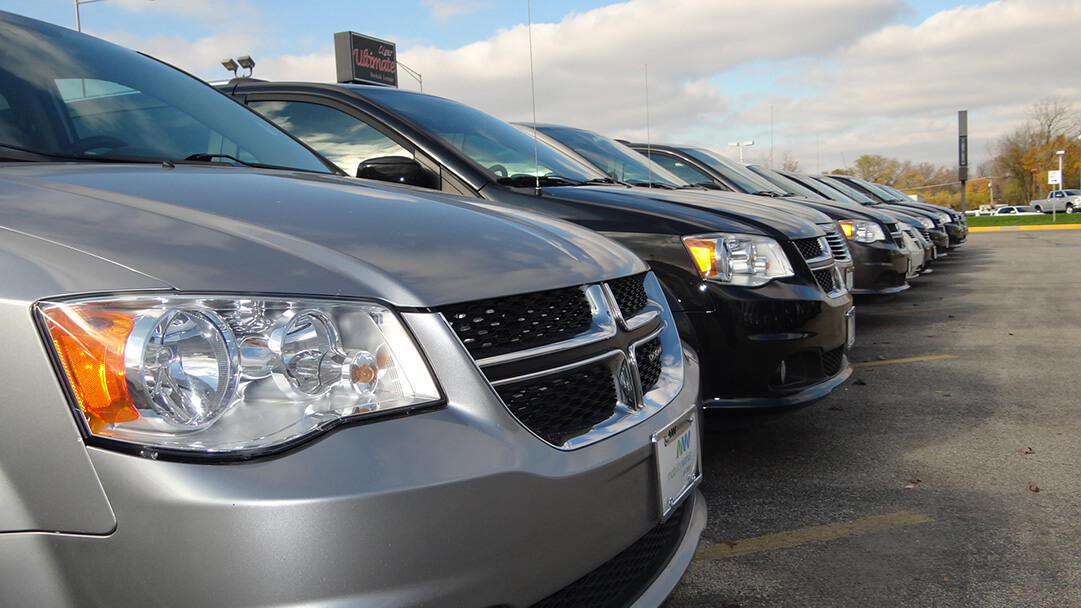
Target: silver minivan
x,y
232,377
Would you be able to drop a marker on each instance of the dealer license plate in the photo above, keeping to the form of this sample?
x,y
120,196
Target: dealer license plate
x,y
679,461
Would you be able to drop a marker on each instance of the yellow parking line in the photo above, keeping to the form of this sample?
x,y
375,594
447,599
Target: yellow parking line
x,y
908,360
813,534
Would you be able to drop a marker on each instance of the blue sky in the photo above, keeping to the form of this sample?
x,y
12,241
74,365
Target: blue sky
x,y
820,83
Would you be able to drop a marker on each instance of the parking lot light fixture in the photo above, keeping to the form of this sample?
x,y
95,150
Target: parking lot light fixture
x,y
741,145
78,24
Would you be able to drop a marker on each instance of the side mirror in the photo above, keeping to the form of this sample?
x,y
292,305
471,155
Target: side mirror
x,y
399,170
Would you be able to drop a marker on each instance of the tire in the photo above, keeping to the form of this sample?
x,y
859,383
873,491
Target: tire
x,y
1039,208
1069,208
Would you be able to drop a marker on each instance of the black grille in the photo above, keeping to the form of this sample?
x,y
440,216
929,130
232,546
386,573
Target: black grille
x,y
832,360
630,295
809,248
777,316
648,356
495,327
623,578
826,280
561,407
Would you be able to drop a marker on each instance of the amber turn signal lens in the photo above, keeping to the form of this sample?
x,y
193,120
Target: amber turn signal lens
x,y
705,255
91,349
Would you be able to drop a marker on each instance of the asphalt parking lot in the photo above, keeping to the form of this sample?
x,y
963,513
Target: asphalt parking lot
x,y
944,472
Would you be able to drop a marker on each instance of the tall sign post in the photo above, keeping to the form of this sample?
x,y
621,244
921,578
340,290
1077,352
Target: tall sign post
x,y
962,153
365,60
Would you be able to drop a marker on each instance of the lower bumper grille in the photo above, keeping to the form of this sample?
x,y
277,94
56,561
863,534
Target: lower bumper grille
x,y
623,578
832,361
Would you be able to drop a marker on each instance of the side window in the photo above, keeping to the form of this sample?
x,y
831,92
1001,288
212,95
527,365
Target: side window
x,y
689,175
339,136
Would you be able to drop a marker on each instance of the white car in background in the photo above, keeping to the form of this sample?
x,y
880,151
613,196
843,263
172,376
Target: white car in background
x,y
1017,210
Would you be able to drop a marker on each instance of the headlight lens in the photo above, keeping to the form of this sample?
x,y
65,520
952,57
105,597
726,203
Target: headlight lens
x,y
862,231
926,222
220,375
738,259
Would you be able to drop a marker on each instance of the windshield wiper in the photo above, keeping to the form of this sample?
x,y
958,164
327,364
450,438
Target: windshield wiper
x,y
525,181
209,158
658,185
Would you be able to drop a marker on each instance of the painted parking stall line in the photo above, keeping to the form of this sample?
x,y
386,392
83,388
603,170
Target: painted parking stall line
x,y
813,534
905,360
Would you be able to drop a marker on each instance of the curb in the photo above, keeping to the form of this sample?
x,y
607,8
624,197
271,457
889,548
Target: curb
x,y
1019,228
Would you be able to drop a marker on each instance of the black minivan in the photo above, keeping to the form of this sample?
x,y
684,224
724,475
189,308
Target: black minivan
x,y
756,292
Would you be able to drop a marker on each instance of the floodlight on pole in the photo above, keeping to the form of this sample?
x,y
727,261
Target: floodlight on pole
x,y
244,61
741,145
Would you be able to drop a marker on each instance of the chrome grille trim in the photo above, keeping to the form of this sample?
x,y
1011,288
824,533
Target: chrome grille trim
x,y
837,245
536,384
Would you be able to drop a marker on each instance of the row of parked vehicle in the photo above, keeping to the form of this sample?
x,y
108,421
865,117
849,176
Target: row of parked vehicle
x,y
237,375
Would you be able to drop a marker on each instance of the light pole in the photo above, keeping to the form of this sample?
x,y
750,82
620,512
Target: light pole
x,y
78,24
741,146
1054,206
1060,154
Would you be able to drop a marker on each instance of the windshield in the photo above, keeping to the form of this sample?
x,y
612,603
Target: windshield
x,y
819,187
881,193
789,186
744,179
618,160
510,156
69,96
845,189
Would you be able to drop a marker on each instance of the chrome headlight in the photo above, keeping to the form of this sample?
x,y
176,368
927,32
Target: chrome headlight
x,y
862,231
926,222
224,375
738,259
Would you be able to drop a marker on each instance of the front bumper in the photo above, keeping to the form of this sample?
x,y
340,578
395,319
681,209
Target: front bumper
x,y
772,347
956,234
880,268
456,506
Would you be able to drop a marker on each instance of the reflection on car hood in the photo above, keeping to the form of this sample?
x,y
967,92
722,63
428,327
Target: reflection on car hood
x,y
239,230
741,208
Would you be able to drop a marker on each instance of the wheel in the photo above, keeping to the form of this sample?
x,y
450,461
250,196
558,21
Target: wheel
x,y
1069,208
1039,208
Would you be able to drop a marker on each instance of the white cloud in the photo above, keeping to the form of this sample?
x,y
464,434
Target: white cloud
x,y
447,10
896,91
591,67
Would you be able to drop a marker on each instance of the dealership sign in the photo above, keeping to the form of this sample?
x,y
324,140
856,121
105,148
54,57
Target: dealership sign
x,y
365,60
